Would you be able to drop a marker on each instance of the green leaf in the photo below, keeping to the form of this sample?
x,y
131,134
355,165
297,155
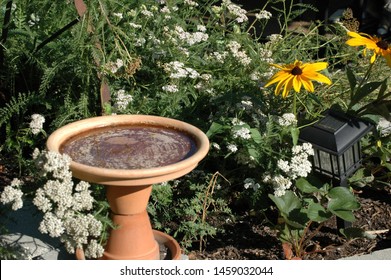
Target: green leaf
x,y
295,135
346,215
351,78
214,129
382,90
286,203
297,218
341,198
256,136
364,91
387,165
342,203
360,179
351,233
304,186
318,213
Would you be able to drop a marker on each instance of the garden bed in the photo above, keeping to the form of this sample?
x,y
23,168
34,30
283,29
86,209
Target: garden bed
x,y
248,238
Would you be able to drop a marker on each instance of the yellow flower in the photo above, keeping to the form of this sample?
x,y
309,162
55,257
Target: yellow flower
x,y
373,43
296,75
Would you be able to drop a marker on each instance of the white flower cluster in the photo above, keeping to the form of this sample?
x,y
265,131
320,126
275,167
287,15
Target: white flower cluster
x,y
170,88
34,20
63,205
242,132
241,56
263,15
274,38
122,99
279,183
113,67
232,148
384,127
12,194
177,70
245,105
191,38
135,25
236,11
287,119
218,56
146,13
216,146
298,166
118,15
266,55
191,3
36,124
52,162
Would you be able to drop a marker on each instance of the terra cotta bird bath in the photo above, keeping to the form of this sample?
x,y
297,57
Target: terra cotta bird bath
x,y
127,154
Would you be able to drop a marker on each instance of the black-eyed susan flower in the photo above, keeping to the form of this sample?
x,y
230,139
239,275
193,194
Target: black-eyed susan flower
x,y
373,43
297,75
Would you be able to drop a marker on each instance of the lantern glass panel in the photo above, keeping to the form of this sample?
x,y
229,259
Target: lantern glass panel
x,y
326,163
350,157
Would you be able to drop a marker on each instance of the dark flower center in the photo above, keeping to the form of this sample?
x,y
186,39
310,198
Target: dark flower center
x,y
296,71
382,44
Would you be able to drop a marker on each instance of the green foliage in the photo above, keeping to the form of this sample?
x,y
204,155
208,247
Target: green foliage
x,y
309,205
190,211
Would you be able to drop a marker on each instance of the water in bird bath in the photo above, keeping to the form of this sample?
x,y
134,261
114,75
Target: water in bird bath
x,y
130,147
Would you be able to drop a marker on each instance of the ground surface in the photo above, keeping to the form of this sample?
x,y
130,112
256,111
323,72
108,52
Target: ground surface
x,y
248,238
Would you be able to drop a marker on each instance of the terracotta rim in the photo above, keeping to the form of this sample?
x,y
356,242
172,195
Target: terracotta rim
x,y
58,137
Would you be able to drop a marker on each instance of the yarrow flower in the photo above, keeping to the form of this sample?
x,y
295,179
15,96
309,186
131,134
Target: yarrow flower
x,y
36,124
177,70
170,88
287,119
279,183
122,99
372,43
234,47
236,11
12,194
242,132
113,67
263,15
296,75
64,205
299,165
232,148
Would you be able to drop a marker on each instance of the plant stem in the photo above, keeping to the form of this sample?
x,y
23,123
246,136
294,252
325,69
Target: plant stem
x,y
294,104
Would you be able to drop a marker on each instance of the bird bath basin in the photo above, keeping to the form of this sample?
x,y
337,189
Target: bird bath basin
x,y
127,154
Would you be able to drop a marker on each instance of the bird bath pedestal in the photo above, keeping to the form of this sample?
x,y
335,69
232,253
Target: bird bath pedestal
x,y
127,154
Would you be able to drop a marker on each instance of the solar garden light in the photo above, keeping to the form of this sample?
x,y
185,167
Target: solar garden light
x,y
337,150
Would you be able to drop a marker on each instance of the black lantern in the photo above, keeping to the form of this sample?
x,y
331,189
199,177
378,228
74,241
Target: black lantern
x,y
336,142
337,150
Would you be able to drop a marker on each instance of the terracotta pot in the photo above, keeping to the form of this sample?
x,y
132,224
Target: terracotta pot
x,y
129,189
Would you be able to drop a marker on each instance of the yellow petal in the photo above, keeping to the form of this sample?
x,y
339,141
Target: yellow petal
x,y
317,66
373,57
287,88
280,85
308,85
281,75
296,83
322,79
